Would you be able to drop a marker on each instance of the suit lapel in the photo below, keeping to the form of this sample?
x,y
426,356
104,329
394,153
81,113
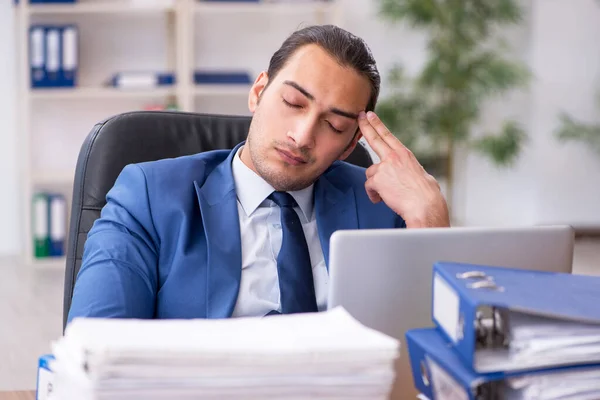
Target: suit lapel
x,y
218,207
335,209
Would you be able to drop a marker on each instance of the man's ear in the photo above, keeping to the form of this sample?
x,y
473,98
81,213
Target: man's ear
x,y
351,146
256,90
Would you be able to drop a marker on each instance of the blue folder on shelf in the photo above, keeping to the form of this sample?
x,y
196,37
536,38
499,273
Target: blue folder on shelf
x,y
503,319
69,55
222,78
54,55
46,1
230,1
439,374
142,79
37,55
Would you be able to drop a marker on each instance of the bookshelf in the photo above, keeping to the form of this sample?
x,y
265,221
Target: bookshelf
x,y
99,7
180,36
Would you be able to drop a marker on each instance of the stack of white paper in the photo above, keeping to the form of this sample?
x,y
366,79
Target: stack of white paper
x,y
318,355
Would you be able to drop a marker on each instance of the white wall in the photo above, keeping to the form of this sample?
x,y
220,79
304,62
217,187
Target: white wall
x,y
550,183
566,60
9,222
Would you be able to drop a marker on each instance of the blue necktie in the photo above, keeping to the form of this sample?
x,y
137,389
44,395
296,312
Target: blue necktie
x,y
296,285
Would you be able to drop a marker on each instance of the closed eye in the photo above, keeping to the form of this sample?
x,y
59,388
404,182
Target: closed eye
x,y
287,103
291,105
334,128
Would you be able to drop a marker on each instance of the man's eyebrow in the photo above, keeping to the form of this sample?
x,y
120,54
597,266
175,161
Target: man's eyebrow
x,y
343,113
334,110
300,89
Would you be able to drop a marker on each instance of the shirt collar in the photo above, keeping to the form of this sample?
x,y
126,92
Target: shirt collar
x,y
252,190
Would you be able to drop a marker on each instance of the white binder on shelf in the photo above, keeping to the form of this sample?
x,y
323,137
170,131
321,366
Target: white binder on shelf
x,y
53,62
37,55
70,55
58,224
40,232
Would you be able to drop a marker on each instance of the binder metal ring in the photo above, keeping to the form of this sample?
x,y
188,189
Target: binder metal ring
x,y
424,373
460,329
486,284
472,274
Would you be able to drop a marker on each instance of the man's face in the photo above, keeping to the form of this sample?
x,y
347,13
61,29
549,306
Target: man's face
x,y
304,120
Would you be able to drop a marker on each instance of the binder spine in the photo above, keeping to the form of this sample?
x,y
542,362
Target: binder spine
x,y
70,52
144,80
53,56
433,378
418,365
454,315
469,326
37,57
57,226
45,378
41,238
439,377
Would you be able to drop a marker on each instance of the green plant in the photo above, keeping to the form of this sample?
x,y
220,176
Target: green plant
x,y
435,111
573,130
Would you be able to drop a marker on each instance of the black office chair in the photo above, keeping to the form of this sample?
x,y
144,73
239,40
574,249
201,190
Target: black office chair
x,y
141,136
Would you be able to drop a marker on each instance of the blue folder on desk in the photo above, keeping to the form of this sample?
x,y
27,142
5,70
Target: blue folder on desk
x,y
440,374
503,319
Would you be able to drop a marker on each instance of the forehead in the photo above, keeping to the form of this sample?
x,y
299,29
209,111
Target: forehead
x,y
329,82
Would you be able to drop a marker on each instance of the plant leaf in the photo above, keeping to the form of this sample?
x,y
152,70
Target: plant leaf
x,y
571,130
504,147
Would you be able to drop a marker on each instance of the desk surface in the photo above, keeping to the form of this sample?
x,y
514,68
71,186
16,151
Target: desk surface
x,y
18,395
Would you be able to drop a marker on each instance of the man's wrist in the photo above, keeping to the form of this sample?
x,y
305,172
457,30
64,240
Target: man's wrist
x,y
414,223
432,220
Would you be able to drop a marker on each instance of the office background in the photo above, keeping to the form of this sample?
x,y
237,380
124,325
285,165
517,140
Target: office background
x,y
551,182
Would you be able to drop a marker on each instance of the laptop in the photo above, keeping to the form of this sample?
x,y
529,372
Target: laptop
x,y
383,277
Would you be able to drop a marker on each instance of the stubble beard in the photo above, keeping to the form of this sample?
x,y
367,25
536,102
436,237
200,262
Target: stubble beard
x,y
276,178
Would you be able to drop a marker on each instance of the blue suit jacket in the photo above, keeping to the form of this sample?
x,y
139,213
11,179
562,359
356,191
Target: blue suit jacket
x,y
167,243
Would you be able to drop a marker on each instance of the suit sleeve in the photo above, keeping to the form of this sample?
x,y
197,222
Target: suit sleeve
x,y
400,223
118,275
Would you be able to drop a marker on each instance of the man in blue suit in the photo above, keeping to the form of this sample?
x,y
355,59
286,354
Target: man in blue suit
x,y
246,232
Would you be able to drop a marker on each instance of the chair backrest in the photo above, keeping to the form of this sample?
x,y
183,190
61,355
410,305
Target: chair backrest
x,y
141,136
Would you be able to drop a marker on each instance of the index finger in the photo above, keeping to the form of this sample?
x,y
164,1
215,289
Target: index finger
x,y
392,141
377,143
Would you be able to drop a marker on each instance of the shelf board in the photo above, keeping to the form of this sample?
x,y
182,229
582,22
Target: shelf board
x,y
102,7
57,263
262,6
53,178
98,93
222,90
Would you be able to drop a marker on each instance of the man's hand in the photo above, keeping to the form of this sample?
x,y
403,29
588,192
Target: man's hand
x,y
399,180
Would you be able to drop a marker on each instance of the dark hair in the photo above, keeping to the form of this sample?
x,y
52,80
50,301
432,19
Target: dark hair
x,y
348,49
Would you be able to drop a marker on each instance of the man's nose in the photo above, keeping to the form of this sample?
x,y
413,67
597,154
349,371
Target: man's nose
x,y
304,132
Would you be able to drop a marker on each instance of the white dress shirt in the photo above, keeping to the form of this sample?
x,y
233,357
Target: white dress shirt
x,y
261,234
